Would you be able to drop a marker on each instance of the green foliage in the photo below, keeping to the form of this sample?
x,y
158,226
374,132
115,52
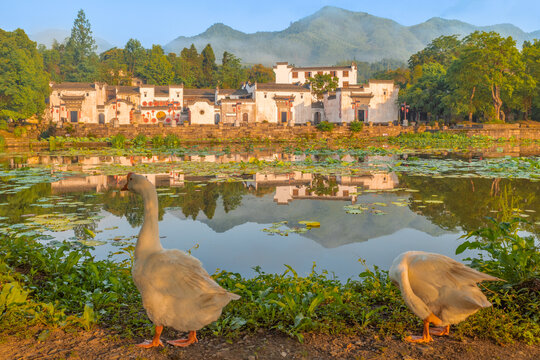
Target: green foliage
x,y
2,142
79,60
259,73
356,126
157,69
504,253
442,50
208,67
171,141
231,73
134,56
325,126
322,83
118,141
19,131
157,141
3,125
23,84
140,140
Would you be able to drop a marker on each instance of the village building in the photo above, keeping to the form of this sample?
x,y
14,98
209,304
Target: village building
x,y
288,74
286,102
374,102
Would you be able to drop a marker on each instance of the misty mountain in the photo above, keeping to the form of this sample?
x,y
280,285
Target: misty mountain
x,y
47,37
331,35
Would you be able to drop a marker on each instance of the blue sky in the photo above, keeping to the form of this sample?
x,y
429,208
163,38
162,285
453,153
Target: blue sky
x,y
160,21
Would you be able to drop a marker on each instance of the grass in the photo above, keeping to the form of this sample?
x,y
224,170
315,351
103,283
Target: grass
x,y
66,286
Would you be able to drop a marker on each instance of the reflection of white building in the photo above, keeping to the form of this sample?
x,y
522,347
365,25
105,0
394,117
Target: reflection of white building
x,y
285,194
372,181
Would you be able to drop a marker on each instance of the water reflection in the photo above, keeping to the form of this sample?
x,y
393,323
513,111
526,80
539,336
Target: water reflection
x,y
226,217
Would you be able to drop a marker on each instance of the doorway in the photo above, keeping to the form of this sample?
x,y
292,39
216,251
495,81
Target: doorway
x,y
283,116
360,116
74,116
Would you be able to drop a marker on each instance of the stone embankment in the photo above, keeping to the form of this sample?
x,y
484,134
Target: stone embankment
x,y
262,131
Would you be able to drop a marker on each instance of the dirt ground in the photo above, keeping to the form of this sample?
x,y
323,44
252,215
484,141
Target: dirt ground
x,y
102,344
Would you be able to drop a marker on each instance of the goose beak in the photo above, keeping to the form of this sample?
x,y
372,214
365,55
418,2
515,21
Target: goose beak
x,y
124,188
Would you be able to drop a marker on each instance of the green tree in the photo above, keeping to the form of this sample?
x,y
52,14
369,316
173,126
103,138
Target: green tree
x,y
157,70
112,67
208,67
51,60
442,50
80,61
188,68
322,83
24,85
134,57
261,74
530,92
429,93
494,64
231,73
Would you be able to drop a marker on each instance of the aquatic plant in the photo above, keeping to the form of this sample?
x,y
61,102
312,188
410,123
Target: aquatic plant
x,y
118,141
139,140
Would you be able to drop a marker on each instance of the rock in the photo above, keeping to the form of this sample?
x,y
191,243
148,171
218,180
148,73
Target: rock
x,y
283,354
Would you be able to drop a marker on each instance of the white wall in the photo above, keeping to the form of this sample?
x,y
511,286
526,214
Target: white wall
x,y
202,113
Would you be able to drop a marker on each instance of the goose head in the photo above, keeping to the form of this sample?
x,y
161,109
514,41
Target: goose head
x,y
135,183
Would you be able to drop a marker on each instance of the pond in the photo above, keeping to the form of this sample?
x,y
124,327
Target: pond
x,y
237,211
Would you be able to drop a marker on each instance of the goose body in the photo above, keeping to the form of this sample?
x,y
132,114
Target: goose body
x,y
176,290
438,289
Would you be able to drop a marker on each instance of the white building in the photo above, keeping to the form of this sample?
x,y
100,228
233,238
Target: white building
x,y
288,74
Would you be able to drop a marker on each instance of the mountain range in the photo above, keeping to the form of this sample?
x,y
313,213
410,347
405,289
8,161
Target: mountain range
x,y
329,36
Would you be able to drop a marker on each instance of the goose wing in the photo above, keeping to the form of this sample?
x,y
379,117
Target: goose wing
x,y
180,275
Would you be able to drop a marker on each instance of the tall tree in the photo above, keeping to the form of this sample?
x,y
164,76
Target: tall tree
x,y
158,70
231,73
24,84
112,67
442,50
134,56
208,67
494,63
530,91
80,61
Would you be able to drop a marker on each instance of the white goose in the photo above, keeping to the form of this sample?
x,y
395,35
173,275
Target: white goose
x,y
438,289
176,291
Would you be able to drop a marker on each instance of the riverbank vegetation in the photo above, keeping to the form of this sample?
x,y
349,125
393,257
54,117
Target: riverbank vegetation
x,y
64,286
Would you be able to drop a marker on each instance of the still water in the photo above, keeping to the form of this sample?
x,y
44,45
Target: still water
x,y
231,223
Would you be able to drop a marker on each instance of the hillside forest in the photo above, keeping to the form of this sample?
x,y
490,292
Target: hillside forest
x,y
481,77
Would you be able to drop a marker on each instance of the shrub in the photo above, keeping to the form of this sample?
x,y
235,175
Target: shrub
x,y
3,125
171,141
325,126
157,141
140,140
118,141
356,126
20,131
2,142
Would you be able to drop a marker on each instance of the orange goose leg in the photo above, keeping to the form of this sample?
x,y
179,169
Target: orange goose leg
x,y
192,338
440,331
155,341
425,335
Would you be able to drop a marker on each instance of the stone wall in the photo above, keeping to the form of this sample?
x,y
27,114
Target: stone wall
x,y
257,131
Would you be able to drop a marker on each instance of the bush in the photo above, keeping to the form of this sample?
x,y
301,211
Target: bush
x,y
20,131
157,141
3,125
2,142
118,141
140,140
325,126
356,126
171,141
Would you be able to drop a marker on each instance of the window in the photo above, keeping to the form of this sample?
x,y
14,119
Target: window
x,y
177,95
295,192
345,73
384,92
301,96
333,73
295,74
265,95
145,94
307,74
345,84
201,112
245,117
319,72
